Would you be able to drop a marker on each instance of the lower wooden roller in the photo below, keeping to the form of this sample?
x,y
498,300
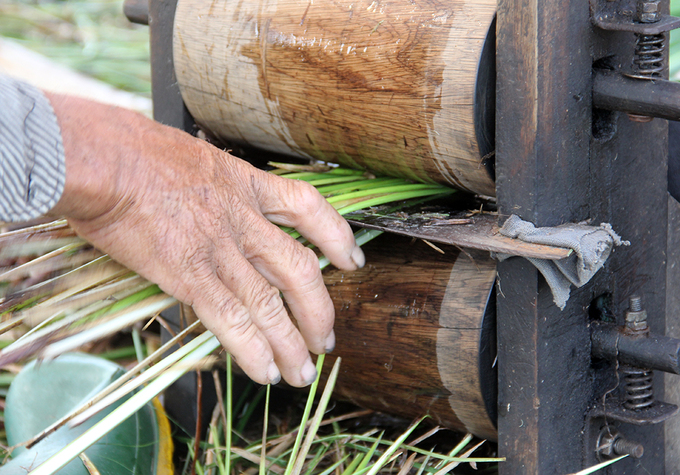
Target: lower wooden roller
x,y
416,332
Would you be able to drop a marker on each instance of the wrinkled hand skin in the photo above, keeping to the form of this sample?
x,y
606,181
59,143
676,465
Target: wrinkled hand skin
x,y
198,222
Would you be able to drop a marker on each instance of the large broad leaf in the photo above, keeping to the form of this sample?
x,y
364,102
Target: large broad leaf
x,y
43,393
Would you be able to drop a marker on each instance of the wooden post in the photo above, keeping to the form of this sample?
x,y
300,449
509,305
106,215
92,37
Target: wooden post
x,y
555,166
169,108
542,139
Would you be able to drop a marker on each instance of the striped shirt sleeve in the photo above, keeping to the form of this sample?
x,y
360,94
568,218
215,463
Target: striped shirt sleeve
x,y
32,164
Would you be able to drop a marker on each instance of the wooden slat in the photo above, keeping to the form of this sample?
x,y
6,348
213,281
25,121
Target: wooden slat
x,y
481,233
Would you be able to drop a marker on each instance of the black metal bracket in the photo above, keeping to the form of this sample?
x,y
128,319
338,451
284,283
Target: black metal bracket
x,y
636,353
623,15
613,410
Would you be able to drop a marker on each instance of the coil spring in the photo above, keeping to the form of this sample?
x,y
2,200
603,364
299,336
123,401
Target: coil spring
x,y
637,386
648,58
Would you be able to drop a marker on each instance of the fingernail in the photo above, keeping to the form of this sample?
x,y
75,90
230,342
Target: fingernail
x,y
329,346
308,372
358,257
273,373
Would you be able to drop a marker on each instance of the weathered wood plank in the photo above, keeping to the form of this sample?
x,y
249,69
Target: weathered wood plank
x,y
542,175
481,233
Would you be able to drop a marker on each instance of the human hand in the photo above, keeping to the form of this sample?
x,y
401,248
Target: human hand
x,y
198,222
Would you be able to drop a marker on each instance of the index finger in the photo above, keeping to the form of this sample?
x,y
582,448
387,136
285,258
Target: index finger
x,y
299,205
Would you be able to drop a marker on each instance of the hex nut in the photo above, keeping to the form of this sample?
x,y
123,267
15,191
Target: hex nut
x,y
648,11
611,444
636,320
605,445
650,7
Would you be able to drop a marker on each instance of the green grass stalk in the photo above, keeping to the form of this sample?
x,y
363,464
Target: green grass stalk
x,y
138,344
127,318
334,467
230,415
318,415
381,200
384,458
305,416
156,371
358,185
265,428
600,466
391,189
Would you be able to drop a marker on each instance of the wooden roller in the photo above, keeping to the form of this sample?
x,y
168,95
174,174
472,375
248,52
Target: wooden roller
x,y
402,87
416,332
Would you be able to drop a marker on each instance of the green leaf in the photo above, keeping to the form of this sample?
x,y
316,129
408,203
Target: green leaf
x,y
43,393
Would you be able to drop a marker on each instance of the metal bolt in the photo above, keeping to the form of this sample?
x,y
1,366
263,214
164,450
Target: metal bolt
x,y
626,447
636,317
610,444
648,11
650,7
635,303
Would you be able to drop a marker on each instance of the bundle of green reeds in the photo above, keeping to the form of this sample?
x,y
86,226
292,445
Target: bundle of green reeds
x,y
71,295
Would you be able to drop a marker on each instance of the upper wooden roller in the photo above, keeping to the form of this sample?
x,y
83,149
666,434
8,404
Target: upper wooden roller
x,y
393,86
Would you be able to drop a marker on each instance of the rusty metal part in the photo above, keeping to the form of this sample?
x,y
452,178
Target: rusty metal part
x,y
611,444
619,22
648,11
612,343
637,387
636,316
641,17
649,57
637,352
616,92
641,119
137,11
614,410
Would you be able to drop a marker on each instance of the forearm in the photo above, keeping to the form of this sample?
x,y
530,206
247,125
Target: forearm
x,y
202,225
107,150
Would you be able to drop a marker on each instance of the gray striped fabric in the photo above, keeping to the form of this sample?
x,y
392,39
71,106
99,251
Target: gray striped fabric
x,y
32,167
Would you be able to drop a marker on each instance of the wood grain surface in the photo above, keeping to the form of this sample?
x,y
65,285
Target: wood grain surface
x,y
481,233
409,330
391,86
